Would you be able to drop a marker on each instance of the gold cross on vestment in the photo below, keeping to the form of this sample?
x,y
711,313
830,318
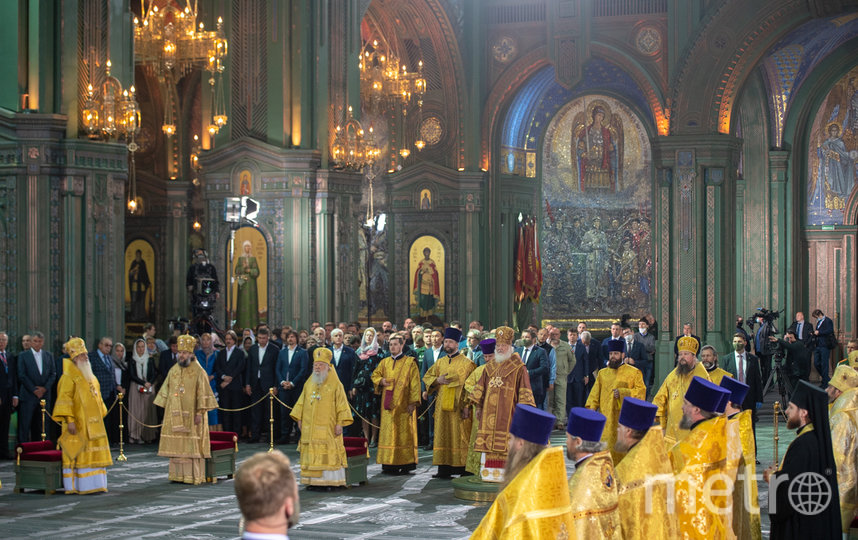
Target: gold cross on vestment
x,y
495,382
315,395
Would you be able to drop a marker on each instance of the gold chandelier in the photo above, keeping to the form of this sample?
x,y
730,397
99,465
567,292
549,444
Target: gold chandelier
x,y
353,149
386,84
110,112
169,43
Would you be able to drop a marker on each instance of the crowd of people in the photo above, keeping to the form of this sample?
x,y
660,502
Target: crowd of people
x,y
483,401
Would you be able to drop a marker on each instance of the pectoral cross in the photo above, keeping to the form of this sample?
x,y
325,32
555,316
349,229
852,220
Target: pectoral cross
x,y
315,395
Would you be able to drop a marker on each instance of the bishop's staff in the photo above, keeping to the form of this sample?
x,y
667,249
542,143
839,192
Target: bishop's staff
x,y
777,407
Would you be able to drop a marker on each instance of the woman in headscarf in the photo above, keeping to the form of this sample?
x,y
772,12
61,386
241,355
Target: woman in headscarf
x,y
365,399
141,375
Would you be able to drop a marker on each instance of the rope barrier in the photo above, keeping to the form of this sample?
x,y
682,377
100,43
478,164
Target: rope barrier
x,y
156,426
247,407
112,405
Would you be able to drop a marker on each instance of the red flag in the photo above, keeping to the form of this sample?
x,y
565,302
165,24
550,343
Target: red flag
x,y
529,285
518,271
538,266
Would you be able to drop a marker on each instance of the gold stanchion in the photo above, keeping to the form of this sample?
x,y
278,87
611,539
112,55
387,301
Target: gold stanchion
x,y
121,456
777,407
44,435
271,419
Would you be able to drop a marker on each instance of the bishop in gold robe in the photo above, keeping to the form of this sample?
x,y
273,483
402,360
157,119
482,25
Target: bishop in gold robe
x,y
702,507
446,378
843,416
671,395
592,487
613,384
322,411
534,502
397,379
186,397
503,384
80,411
644,474
741,463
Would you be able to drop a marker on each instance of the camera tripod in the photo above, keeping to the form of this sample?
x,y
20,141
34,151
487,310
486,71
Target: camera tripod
x,y
204,323
784,386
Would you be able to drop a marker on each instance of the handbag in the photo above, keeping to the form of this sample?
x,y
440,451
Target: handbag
x,y
388,396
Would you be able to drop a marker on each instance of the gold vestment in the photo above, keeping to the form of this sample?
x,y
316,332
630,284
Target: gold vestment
x,y
451,431
669,399
701,508
185,393
717,374
593,494
472,464
746,507
79,401
844,442
534,505
642,476
397,438
320,408
628,381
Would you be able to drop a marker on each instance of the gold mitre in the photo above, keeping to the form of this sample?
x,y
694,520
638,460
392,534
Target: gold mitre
x,y
75,347
845,378
504,334
688,343
323,354
186,343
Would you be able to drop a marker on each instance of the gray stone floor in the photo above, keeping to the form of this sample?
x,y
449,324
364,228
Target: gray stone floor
x,y
141,503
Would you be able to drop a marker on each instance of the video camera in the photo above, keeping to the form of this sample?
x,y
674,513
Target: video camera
x,y
767,329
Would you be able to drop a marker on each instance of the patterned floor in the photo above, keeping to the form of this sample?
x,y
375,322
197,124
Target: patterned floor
x,y
141,503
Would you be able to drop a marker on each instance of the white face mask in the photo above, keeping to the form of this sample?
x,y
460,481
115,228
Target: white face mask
x,y
642,330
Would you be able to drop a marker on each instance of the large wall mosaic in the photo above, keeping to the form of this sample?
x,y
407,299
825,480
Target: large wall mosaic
x,y
596,182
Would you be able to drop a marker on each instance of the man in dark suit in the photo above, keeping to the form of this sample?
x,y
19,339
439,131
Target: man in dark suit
x,y
746,367
636,354
825,341
536,362
798,358
37,374
229,371
587,358
616,335
802,329
167,359
261,374
293,368
103,369
344,360
686,331
8,393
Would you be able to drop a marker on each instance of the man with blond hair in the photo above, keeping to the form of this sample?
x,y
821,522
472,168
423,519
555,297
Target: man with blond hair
x,y
267,496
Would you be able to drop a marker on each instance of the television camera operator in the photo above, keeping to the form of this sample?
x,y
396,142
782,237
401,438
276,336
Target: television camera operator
x,y
796,357
762,346
204,288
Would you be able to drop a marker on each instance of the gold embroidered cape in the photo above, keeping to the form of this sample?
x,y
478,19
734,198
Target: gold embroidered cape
x,y
642,475
185,393
499,389
746,506
702,513
669,399
397,438
534,505
628,381
844,440
451,430
593,492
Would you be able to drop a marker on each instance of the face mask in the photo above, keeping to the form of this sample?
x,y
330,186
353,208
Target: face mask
x,y
629,340
642,330
739,346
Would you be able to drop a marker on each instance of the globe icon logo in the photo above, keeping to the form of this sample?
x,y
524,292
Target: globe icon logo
x,y
809,493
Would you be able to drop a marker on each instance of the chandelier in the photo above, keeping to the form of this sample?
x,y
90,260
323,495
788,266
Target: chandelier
x,y
169,43
387,84
110,112
353,149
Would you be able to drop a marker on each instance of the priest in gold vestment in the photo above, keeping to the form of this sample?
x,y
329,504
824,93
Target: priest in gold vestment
x,y
186,397
397,379
80,411
741,463
644,474
613,384
322,411
446,378
503,384
534,502
709,359
671,395
592,487
843,390
699,460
